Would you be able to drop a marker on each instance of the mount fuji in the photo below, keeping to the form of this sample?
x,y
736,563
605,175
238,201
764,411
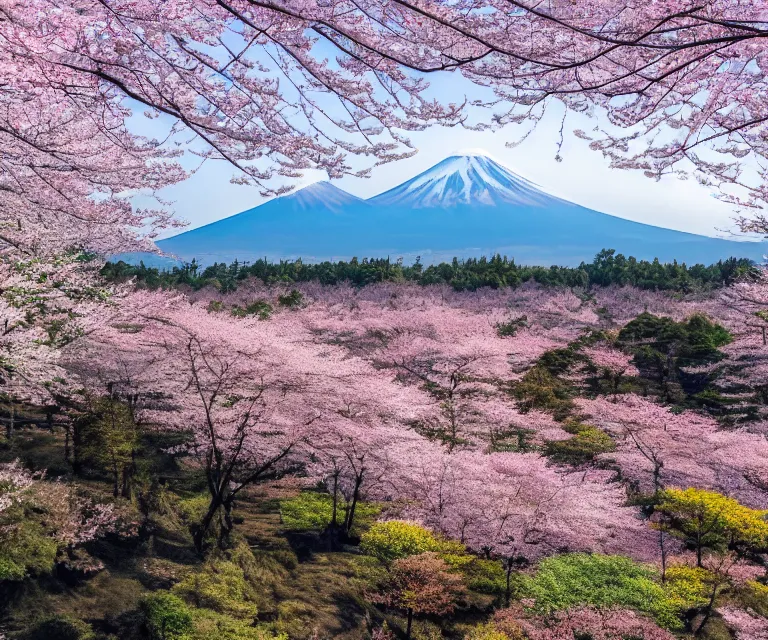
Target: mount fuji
x,y
466,205
469,179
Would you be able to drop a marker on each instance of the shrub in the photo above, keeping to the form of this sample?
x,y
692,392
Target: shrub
x,y
210,625
687,587
220,586
691,342
754,595
509,329
311,511
539,389
395,539
27,550
486,631
420,584
587,443
560,361
193,509
485,576
505,620
708,519
291,300
577,579
260,308
60,628
166,616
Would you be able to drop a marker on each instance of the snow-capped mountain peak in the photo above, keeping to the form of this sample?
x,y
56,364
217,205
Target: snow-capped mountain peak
x,y
323,194
468,179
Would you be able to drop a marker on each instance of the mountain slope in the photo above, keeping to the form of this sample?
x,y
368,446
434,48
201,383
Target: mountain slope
x,y
464,180
466,205
314,220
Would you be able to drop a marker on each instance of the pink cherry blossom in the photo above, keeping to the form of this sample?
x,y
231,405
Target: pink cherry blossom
x,y
747,625
681,449
611,624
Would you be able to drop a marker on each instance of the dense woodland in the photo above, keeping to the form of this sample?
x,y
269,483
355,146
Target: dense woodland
x,y
606,269
299,460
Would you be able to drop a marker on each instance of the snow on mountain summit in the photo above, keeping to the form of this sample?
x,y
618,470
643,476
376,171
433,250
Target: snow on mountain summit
x,y
323,194
467,179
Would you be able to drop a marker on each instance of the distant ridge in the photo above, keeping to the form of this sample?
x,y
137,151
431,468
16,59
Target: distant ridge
x,y
466,205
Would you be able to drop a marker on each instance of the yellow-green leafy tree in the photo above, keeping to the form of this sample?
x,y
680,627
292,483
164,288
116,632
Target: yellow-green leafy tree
x,y
706,519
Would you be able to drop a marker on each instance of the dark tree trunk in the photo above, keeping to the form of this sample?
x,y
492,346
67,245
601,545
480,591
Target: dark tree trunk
x,y
115,481
9,427
508,592
67,449
77,463
708,611
226,522
125,491
334,517
205,524
353,505
409,625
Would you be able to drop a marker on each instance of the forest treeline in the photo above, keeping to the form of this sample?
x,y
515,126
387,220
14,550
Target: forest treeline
x,y
608,268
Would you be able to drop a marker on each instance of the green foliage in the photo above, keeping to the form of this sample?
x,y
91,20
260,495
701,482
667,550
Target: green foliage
x,y
395,539
109,438
577,579
587,443
509,329
708,519
560,361
754,595
220,586
512,439
313,511
292,299
209,625
540,389
484,576
687,587
470,274
662,348
693,341
167,617
193,509
260,308
60,628
25,549
487,631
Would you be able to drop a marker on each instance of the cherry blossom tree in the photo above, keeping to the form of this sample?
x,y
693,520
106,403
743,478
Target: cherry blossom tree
x,y
66,517
454,355
658,448
207,68
247,416
611,364
514,506
611,624
255,399
420,584
746,624
226,74
14,480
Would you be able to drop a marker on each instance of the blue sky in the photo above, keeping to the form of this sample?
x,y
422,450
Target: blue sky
x,y
583,176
